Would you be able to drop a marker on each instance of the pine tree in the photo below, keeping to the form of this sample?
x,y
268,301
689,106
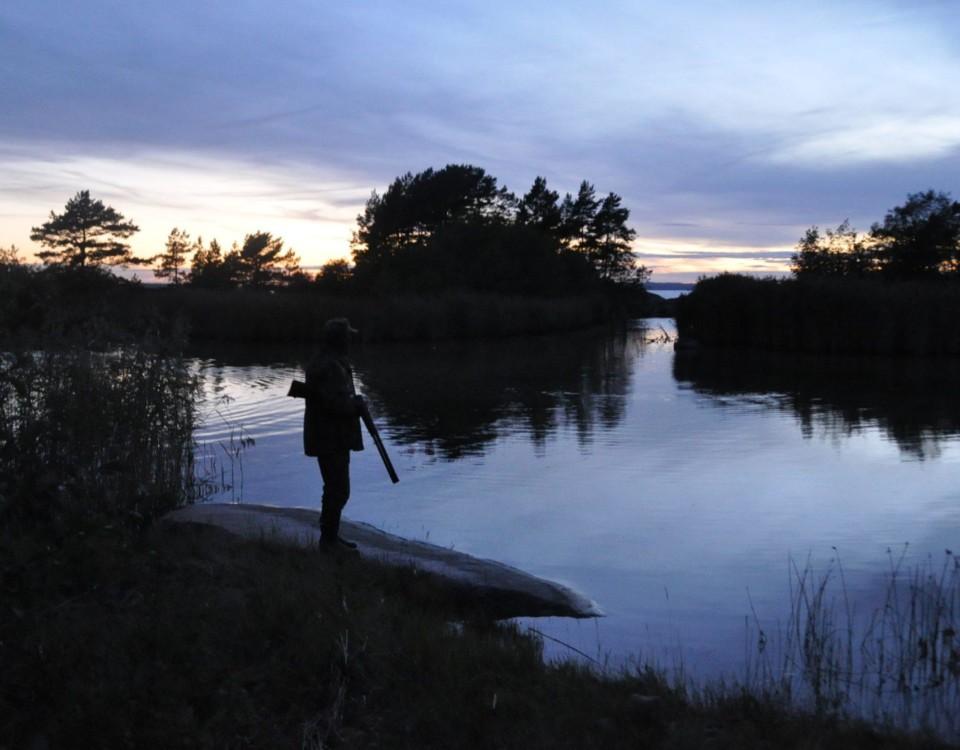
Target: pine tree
x,y
540,208
87,233
172,261
608,241
578,214
212,269
263,261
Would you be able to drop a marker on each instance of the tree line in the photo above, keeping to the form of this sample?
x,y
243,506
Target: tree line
x,y
452,228
917,240
456,227
89,234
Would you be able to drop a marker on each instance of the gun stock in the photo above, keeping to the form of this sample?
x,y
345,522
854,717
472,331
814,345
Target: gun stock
x,y
298,389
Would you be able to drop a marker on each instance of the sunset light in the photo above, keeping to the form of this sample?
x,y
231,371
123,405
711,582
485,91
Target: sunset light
x,y
723,126
447,375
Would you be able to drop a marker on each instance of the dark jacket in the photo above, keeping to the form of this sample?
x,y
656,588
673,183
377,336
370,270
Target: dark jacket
x,y
331,421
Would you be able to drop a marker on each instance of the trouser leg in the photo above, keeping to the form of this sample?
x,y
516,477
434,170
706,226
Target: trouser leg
x,y
335,471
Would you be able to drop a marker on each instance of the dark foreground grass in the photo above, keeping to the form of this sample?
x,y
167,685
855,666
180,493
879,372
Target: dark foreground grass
x,y
186,637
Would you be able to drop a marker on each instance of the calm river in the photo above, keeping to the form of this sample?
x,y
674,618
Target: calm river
x,y
673,489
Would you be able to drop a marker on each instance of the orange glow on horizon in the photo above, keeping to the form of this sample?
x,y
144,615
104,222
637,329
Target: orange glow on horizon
x,y
314,214
686,258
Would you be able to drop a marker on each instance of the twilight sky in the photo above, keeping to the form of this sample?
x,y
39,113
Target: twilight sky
x,y
727,126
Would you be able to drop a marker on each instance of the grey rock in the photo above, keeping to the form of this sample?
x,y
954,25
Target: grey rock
x,y
504,591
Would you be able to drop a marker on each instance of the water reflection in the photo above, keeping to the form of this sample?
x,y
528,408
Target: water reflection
x,y
454,399
914,402
628,473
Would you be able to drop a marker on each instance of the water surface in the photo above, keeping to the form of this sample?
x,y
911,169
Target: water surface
x,y
672,489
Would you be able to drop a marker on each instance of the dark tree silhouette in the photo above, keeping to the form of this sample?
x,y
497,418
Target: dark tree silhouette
x,y
608,243
334,276
263,262
415,206
598,229
86,233
456,228
171,262
839,252
540,208
10,256
921,238
578,215
212,269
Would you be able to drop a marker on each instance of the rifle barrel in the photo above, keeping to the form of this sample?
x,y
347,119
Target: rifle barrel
x,y
299,389
375,434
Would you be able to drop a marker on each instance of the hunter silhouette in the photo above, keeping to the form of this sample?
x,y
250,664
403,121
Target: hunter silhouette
x,y
331,424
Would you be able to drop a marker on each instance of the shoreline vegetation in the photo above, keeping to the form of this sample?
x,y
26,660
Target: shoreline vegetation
x,y
442,253
117,631
39,304
237,316
185,636
823,315
893,290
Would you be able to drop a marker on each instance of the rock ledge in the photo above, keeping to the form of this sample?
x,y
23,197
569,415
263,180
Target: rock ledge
x,y
499,589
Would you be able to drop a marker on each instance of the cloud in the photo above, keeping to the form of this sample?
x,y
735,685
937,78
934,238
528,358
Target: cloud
x,y
209,197
738,124
889,140
768,255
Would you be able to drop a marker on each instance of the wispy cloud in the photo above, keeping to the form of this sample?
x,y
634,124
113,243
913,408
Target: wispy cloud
x,y
732,124
210,197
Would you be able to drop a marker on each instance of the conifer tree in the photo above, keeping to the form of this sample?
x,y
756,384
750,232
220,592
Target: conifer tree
x,y
263,261
172,261
87,233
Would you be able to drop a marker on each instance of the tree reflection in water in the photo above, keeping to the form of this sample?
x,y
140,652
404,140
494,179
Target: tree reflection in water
x,y
914,401
454,399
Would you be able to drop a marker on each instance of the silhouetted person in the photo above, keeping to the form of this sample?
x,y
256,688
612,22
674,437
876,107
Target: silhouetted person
x,y
331,424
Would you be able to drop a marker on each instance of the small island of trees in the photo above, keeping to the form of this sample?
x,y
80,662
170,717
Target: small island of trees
x,y
892,290
918,240
455,228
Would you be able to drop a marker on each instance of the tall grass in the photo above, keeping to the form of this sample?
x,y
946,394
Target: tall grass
x,y
263,316
897,666
823,315
88,433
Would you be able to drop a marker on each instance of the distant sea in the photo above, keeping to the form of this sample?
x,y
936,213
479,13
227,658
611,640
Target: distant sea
x,y
668,290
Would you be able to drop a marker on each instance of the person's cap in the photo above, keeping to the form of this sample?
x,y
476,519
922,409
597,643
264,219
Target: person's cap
x,y
340,326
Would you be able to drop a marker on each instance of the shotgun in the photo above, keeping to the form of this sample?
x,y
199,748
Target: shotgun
x,y
298,389
375,434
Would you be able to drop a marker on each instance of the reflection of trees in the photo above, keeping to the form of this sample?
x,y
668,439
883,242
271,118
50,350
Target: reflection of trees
x,y
457,397
914,401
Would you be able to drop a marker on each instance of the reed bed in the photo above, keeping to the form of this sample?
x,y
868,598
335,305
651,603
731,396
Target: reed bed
x,y
897,666
848,316
267,317
85,433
